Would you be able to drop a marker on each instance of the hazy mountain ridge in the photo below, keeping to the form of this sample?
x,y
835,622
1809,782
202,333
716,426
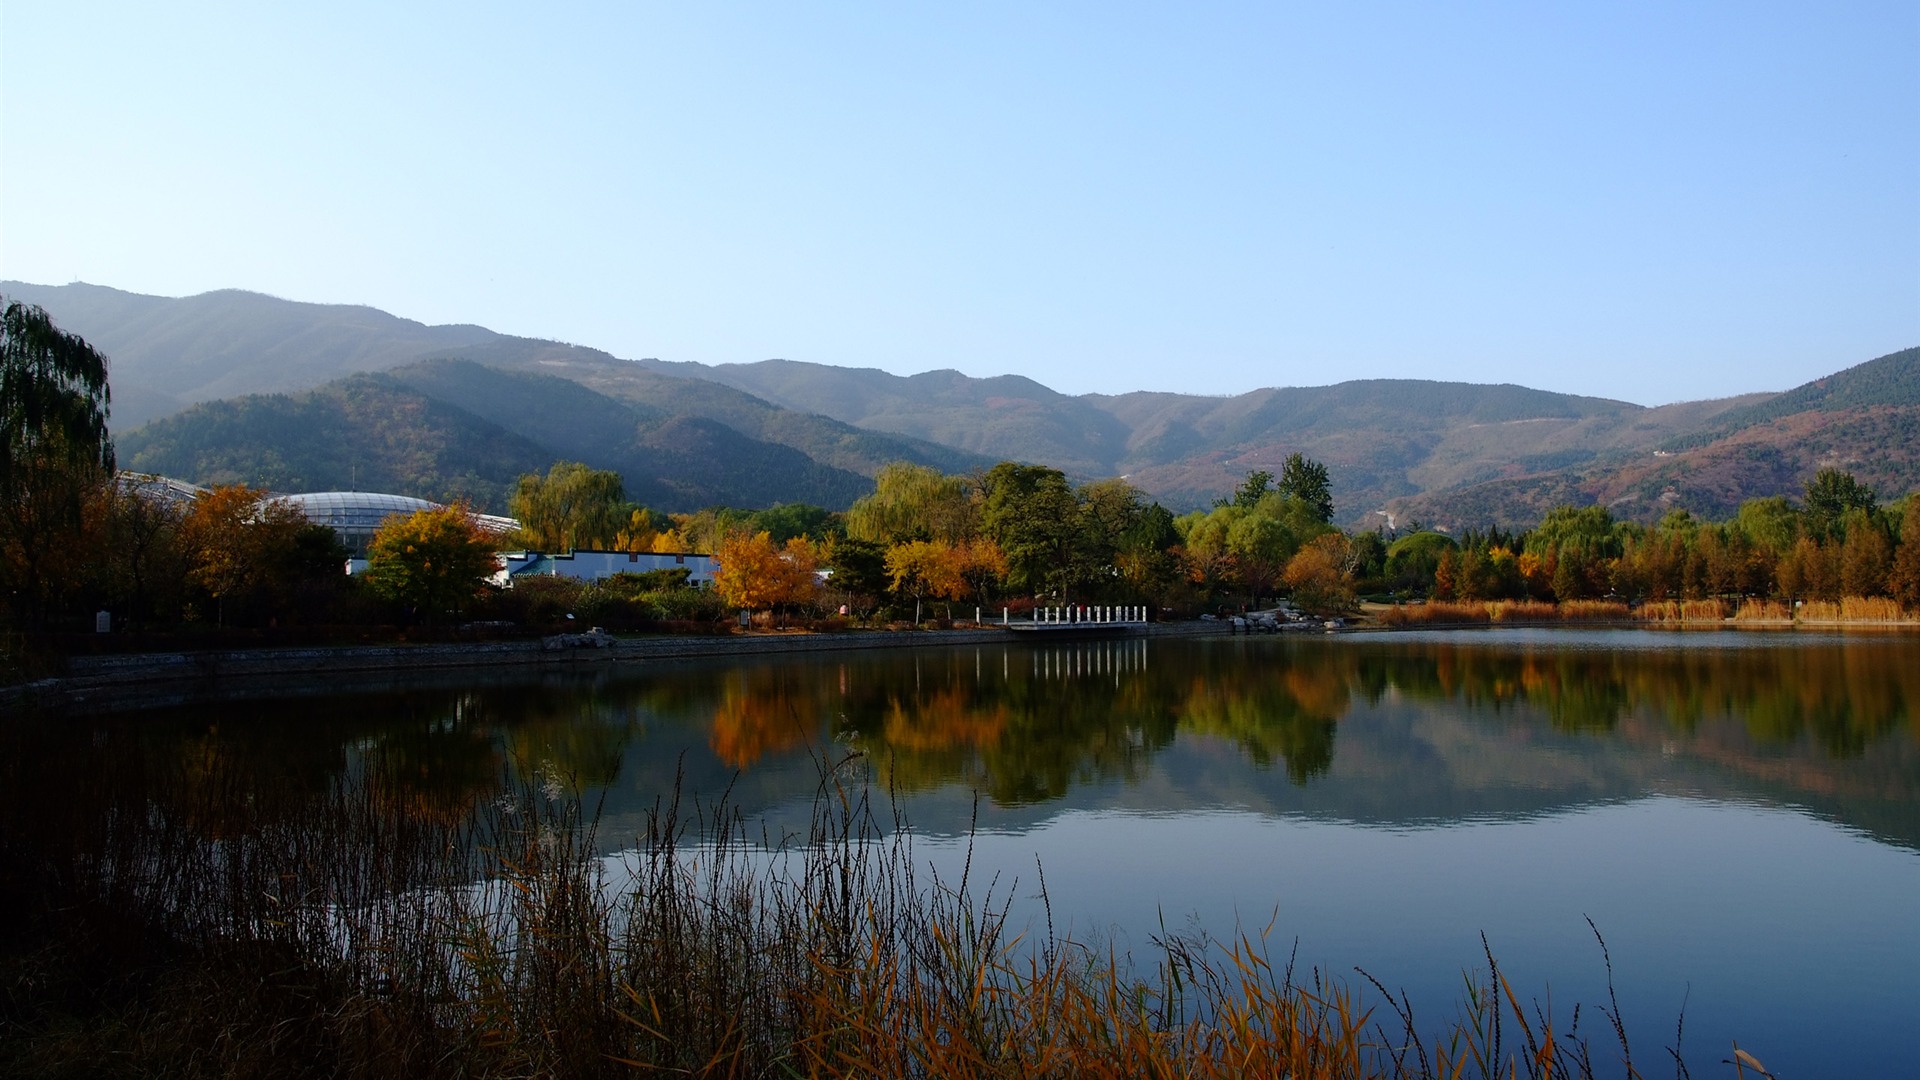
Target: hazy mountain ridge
x,y
170,353
448,429
1447,453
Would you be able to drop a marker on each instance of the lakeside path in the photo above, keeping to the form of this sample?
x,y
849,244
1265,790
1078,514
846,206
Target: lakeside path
x,y
148,680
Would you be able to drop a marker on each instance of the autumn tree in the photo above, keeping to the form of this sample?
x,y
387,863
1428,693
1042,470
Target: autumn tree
x,y
1320,575
922,568
433,561
236,541
1866,555
1903,580
756,574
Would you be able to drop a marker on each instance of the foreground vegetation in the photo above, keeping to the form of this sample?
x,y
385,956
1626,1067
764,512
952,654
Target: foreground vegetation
x,y
169,923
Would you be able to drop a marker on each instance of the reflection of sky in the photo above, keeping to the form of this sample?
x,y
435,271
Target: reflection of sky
x,y
1792,935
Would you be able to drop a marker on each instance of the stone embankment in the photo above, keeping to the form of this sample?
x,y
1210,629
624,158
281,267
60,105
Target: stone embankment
x,y
146,680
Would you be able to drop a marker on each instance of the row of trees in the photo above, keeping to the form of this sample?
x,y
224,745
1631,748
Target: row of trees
x,y
1839,542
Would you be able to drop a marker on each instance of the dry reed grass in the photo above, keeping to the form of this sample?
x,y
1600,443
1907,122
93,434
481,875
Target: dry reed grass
x,y
1856,609
1594,611
1442,613
1763,611
1684,611
356,941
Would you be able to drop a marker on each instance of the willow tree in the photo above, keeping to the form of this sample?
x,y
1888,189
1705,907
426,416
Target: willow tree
x,y
575,506
54,449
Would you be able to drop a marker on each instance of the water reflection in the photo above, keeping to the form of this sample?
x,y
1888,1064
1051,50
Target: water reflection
x,y
1642,778
1400,730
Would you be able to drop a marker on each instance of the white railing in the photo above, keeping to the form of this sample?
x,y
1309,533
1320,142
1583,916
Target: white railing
x,y
1081,615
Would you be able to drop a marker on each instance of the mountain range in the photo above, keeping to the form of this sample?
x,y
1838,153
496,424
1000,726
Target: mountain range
x,y
235,386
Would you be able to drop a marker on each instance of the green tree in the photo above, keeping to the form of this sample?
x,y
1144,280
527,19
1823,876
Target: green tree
x,y
572,507
859,573
1414,559
785,521
55,453
1830,494
1251,490
1031,512
1305,479
433,561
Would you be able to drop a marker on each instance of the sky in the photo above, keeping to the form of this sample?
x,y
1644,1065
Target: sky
x,y
1641,201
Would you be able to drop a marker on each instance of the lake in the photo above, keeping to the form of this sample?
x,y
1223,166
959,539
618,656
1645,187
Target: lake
x,y
1738,814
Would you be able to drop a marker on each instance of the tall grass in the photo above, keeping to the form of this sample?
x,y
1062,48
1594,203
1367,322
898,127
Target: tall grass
x,y
1503,612
199,935
1684,611
1852,609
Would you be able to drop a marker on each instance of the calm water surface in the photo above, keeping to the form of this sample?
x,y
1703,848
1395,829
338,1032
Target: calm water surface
x,y
1738,814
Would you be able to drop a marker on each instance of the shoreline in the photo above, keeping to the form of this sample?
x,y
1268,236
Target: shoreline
x,y
127,681
150,680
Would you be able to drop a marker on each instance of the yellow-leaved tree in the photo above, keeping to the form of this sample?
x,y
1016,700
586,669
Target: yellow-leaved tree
x,y
433,561
756,574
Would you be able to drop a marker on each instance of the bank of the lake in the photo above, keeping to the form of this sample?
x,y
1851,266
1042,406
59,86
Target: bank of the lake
x,y
155,679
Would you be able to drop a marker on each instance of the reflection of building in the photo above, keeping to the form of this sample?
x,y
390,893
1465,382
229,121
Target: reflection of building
x,y
594,565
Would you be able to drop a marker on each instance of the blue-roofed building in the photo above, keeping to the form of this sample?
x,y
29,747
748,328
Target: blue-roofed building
x,y
595,565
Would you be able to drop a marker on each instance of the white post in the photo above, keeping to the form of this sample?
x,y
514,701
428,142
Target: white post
x,y
1005,618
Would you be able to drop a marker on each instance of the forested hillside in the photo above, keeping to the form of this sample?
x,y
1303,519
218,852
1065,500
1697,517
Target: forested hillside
x,y
449,429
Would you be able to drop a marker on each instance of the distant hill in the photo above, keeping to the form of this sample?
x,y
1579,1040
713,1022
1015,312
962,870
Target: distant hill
x,y
1448,453
167,354
1865,419
431,430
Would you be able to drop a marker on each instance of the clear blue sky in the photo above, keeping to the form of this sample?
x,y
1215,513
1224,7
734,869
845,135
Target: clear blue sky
x,y
1652,202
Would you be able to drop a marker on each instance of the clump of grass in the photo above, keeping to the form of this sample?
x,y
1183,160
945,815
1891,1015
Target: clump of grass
x,y
1521,611
1438,613
1594,611
1763,611
1684,611
207,933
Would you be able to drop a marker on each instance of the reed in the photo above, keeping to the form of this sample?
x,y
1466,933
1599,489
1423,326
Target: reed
x,y
1438,613
1684,611
1763,611
359,938
1522,611
1594,611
